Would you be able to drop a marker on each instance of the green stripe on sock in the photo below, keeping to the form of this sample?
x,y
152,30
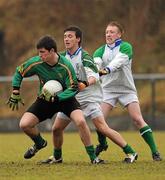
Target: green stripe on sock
x,y
145,129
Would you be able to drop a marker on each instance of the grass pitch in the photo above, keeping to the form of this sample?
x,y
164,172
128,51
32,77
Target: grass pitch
x,y
76,164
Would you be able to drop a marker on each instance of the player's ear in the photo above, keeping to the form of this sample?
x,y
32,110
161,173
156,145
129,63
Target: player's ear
x,y
78,40
52,50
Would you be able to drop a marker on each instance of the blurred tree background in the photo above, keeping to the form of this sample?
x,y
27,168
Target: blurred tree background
x,y
22,22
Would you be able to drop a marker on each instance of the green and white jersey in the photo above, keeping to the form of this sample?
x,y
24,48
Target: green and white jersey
x,y
118,58
85,67
62,71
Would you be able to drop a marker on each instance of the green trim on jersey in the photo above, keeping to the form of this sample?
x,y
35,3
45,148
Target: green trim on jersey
x,y
87,60
63,53
99,52
63,72
126,48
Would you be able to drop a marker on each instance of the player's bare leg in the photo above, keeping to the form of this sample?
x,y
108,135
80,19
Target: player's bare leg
x,y
78,119
28,124
58,128
103,145
102,127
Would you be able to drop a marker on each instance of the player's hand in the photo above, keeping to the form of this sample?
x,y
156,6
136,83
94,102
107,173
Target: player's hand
x,y
82,85
46,95
104,71
14,100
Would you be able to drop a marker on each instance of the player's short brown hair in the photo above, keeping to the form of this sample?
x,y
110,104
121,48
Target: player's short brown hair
x,y
47,42
118,25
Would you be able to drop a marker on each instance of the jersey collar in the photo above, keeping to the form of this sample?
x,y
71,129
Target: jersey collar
x,y
115,44
75,53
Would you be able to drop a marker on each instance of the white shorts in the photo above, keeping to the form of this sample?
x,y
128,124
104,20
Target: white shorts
x,y
90,111
123,99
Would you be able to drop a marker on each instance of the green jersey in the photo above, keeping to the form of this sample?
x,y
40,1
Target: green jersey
x,y
62,72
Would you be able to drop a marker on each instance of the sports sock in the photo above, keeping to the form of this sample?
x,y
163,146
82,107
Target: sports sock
x,y
101,138
57,153
38,140
128,149
91,152
147,135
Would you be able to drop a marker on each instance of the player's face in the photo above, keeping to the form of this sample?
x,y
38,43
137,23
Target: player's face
x,y
111,34
70,40
44,54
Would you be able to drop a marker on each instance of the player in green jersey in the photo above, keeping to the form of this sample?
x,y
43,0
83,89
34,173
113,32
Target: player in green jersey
x,y
49,65
114,62
89,97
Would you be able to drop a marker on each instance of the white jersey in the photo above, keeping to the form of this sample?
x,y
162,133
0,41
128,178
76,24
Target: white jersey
x,y
85,67
118,58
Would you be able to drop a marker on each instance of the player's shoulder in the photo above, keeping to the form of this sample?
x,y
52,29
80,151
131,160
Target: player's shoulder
x,y
63,59
99,51
63,53
29,64
125,44
34,59
86,55
64,63
126,48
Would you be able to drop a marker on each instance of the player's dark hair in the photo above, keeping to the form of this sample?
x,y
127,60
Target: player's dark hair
x,y
47,42
77,31
118,25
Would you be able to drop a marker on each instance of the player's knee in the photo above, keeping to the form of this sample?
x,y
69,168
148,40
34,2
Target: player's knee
x,y
23,125
101,125
81,123
102,129
56,130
